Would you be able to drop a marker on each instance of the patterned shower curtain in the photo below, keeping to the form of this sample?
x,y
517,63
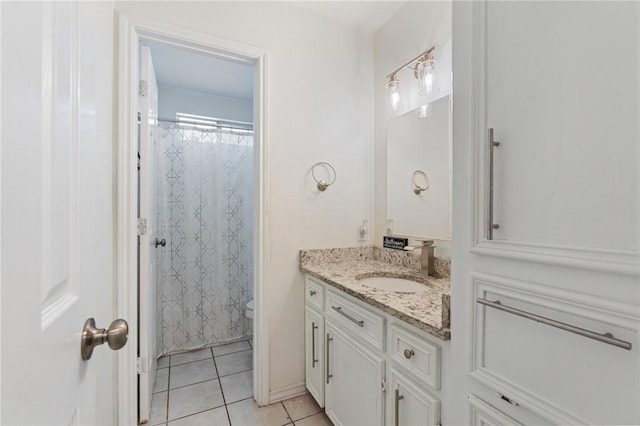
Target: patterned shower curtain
x,y
205,212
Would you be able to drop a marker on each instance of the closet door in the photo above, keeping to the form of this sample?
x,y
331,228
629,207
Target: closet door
x,y
560,92
546,303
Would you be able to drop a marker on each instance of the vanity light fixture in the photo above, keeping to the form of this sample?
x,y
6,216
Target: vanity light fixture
x,y
423,67
393,93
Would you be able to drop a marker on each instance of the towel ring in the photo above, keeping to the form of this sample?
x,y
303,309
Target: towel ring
x,y
322,185
417,189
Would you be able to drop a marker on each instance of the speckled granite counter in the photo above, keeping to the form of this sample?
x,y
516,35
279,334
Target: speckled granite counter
x,y
342,268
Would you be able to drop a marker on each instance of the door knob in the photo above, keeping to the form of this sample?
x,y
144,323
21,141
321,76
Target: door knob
x,y
116,336
161,242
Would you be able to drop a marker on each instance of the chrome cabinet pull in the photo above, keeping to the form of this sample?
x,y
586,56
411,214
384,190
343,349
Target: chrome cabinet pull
x,y
314,327
161,242
490,225
605,338
338,309
397,403
329,339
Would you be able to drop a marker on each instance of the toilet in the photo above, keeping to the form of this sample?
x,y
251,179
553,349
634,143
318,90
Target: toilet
x,y
248,313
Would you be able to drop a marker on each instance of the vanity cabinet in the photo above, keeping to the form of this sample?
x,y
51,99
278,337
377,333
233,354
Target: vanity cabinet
x,y
354,393
366,367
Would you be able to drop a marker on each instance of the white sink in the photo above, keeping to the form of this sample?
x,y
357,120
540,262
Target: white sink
x,y
394,284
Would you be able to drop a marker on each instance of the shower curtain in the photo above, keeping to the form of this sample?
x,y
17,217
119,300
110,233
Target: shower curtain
x,y
205,212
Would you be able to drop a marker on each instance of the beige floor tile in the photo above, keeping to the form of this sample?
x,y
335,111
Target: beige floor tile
x,y
234,363
237,386
231,348
162,380
301,406
193,372
215,417
191,356
194,399
247,413
319,419
158,415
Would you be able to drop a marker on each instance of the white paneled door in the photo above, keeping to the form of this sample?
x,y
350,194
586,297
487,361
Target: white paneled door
x,y
148,103
57,211
547,301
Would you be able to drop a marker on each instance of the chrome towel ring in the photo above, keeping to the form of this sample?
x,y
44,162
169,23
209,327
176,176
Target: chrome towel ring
x,y
417,188
323,185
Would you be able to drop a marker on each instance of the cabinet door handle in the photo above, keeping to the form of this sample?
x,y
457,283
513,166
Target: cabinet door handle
x,y
490,225
397,406
338,309
329,339
312,292
314,327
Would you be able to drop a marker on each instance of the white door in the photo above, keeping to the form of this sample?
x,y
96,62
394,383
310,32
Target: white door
x,y
57,211
559,82
412,406
354,393
148,101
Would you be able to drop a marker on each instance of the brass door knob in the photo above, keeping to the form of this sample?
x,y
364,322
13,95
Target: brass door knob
x,y
116,336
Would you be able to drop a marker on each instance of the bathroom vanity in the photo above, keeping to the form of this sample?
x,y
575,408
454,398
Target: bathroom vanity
x,y
376,336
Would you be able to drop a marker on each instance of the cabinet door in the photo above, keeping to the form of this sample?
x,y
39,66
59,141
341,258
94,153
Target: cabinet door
x,y
411,405
314,354
354,376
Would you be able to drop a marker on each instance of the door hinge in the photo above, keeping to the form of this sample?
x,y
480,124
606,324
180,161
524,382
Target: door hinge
x,y
142,88
384,385
142,226
141,365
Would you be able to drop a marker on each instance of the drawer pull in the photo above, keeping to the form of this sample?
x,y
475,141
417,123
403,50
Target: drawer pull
x,y
605,338
329,339
312,292
338,309
408,353
314,327
398,397
508,400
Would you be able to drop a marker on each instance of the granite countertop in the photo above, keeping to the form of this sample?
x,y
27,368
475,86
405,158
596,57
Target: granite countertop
x,y
342,269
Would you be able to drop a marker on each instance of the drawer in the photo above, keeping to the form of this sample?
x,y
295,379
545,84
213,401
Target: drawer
x,y
362,322
421,358
314,294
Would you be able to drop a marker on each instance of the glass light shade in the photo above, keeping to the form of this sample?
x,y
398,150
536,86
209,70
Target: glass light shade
x,y
427,82
393,95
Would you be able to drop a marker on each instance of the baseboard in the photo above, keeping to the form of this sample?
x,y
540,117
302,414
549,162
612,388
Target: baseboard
x,y
287,392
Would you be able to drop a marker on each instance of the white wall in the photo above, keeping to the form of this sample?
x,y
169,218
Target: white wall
x,y
320,109
415,28
173,99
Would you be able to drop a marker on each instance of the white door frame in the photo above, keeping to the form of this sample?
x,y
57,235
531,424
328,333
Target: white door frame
x,y
131,30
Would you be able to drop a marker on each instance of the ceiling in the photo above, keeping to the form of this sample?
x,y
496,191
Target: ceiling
x,y
190,70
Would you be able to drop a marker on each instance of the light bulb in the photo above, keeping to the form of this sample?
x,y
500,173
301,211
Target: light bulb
x,y
427,82
425,111
393,94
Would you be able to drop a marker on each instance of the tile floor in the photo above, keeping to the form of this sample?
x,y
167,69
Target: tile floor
x,y
214,386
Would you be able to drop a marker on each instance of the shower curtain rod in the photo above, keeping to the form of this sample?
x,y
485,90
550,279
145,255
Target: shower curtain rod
x,y
221,124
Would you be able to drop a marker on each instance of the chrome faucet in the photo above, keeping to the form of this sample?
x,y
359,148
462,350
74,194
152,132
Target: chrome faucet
x,y
427,263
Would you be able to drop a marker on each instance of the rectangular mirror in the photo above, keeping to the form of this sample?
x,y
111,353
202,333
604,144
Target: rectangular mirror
x,y
419,172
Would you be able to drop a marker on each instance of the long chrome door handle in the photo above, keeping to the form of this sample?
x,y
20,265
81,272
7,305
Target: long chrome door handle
x,y
329,339
314,327
397,406
490,225
338,309
116,336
